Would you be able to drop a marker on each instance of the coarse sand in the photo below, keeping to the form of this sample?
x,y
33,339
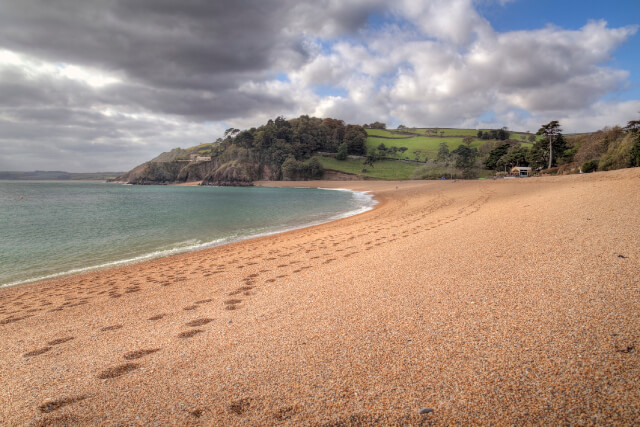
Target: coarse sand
x,y
474,302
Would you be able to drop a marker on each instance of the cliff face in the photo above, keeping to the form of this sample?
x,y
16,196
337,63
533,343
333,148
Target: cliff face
x,y
233,173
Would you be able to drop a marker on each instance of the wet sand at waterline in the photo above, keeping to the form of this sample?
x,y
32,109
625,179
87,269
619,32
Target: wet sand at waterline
x,y
507,301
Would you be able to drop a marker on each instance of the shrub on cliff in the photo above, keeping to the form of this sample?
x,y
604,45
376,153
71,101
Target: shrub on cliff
x,y
590,166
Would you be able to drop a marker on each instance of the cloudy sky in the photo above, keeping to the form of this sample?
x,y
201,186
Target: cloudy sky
x,y
104,85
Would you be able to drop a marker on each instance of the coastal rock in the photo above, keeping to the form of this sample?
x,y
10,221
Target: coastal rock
x,y
234,174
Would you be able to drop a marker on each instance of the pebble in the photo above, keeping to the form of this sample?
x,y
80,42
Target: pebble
x,y
425,410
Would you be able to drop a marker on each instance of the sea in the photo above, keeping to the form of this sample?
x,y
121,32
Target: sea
x,y
53,228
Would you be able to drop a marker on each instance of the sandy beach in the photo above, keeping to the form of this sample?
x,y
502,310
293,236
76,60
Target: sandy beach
x,y
477,302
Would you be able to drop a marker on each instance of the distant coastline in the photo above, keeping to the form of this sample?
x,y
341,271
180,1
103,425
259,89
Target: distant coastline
x,y
56,176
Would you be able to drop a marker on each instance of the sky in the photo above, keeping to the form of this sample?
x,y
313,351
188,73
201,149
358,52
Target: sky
x,y
105,85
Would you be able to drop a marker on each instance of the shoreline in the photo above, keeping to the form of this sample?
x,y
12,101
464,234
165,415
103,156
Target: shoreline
x,y
145,257
489,302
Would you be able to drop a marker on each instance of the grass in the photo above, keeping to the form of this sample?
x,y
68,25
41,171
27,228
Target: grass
x,y
427,145
384,169
386,133
396,170
447,131
416,139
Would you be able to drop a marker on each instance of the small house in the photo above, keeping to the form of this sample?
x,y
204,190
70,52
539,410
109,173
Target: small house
x,y
521,171
199,158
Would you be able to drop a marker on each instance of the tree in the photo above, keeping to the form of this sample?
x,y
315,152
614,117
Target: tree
x,y
231,132
343,151
633,126
635,152
465,159
401,127
516,156
467,140
551,131
503,134
290,168
479,135
539,154
377,125
532,138
382,147
495,155
369,159
443,152
315,168
356,137
402,150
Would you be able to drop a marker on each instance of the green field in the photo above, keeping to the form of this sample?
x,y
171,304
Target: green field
x,y
427,145
384,169
419,146
447,131
416,140
386,133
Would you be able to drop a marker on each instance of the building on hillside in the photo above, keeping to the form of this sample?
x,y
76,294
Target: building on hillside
x,y
521,171
199,158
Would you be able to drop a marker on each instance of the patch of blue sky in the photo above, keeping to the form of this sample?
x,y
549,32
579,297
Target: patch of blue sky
x,y
522,114
283,77
488,117
385,20
325,90
535,14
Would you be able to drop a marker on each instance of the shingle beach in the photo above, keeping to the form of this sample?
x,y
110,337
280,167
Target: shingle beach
x,y
507,302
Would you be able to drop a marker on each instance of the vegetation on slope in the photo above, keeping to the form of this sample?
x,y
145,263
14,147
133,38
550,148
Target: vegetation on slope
x,y
304,147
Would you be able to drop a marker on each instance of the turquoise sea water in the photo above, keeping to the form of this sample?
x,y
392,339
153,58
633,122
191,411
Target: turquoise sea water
x,y
54,228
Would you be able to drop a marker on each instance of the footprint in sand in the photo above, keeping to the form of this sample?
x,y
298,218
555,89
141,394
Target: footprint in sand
x,y
60,341
111,328
196,412
37,352
139,353
54,405
199,322
189,334
118,371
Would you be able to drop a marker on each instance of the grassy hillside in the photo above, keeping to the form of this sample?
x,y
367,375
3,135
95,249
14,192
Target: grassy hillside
x,y
417,140
384,169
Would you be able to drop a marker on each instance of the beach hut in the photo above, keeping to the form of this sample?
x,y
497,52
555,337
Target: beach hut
x,y
521,171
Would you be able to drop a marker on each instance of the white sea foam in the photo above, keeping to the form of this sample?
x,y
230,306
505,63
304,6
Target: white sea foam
x,y
364,198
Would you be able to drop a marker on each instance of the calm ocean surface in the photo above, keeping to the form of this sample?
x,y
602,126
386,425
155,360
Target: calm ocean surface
x,y
59,228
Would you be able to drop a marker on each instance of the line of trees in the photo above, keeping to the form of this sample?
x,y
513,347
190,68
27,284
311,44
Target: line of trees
x,y
545,153
284,147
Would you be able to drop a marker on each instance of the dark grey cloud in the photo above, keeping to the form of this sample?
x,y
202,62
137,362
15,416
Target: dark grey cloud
x,y
179,64
191,44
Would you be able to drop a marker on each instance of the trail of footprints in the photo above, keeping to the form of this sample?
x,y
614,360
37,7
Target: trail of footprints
x,y
25,305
